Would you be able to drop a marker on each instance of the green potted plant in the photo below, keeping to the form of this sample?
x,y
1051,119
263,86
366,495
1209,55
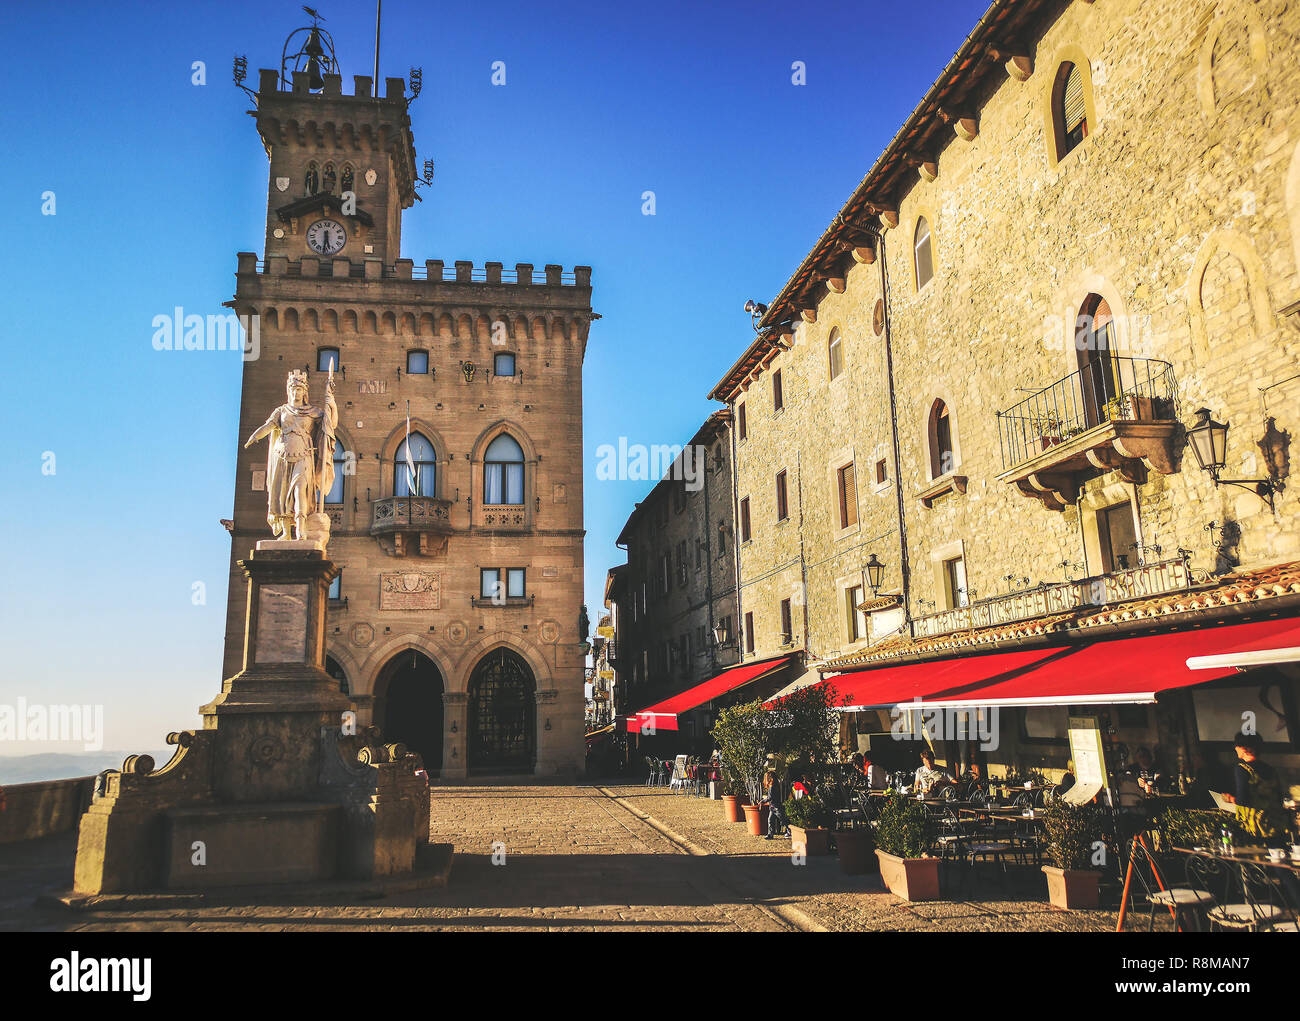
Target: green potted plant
x,y
741,732
810,822
905,867
1073,833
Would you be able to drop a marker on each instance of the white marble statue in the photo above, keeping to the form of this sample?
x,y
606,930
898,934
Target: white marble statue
x,y
300,462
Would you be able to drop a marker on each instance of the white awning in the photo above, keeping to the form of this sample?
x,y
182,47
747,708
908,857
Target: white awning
x,y
1245,660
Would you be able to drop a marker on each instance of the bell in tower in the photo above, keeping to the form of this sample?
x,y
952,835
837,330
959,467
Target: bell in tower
x,y
315,53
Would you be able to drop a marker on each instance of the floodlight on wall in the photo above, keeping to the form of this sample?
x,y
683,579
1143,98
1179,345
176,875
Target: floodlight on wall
x,y
756,310
1209,442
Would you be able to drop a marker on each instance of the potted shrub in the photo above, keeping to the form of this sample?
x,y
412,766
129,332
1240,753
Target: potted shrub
x,y
900,847
1071,832
741,732
810,822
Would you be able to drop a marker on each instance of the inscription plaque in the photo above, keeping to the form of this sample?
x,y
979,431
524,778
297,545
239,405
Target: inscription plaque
x,y
282,624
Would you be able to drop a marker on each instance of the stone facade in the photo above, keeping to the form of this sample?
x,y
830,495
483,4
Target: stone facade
x,y
679,580
470,677
981,392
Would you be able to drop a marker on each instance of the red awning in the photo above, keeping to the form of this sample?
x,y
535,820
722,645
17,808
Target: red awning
x,y
663,715
1118,670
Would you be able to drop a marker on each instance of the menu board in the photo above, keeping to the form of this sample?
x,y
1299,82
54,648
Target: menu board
x,y
1089,760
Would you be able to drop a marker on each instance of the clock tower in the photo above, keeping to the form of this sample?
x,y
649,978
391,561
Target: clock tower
x,y
456,511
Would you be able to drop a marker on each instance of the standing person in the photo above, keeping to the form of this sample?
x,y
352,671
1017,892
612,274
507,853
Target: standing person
x,y
775,782
1257,791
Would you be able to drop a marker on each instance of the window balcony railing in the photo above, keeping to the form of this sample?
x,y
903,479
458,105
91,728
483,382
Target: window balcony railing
x,y
410,514
1116,413
504,516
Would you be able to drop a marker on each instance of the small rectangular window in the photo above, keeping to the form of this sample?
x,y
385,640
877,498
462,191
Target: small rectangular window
x,y
489,583
749,632
836,356
782,502
417,363
336,586
787,623
515,583
778,392
853,599
327,357
848,495
503,364
744,520
954,582
742,425
882,472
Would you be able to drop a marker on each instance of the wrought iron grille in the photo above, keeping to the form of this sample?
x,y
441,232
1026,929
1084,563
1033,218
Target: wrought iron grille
x,y
502,713
1112,388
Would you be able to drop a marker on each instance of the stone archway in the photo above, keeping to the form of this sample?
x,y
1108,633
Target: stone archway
x,y
501,731
408,705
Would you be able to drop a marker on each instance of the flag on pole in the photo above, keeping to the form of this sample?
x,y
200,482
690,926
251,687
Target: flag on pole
x,y
410,464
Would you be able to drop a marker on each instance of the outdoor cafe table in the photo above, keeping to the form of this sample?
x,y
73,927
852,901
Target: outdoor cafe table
x,y
1243,856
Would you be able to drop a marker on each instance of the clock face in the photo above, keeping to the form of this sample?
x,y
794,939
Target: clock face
x,y
326,237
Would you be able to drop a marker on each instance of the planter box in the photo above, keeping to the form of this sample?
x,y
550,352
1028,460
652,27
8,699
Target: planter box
x,y
731,808
910,878
756,819
855,847
1068,889
810,842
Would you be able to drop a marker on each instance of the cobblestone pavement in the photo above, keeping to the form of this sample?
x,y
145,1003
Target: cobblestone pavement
x,y
577,858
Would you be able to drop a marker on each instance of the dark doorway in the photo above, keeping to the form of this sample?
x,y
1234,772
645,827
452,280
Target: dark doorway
x,y
408,706
502,715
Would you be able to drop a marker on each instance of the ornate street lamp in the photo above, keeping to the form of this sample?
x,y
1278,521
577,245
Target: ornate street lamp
x,y
1209,442
722,632
875,574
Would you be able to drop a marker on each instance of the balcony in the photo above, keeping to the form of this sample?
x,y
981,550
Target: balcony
x,y
1115,414
411,524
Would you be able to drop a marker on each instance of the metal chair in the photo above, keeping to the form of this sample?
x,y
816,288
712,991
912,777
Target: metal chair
x,y
653,779
1246,899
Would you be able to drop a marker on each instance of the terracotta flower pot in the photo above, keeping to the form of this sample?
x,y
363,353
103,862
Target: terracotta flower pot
x,y
910,878
1068,889
810,842
731,808
756,819
854,847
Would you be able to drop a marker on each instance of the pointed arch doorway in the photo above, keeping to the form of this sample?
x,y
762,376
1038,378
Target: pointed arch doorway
x,y
502,715
408,705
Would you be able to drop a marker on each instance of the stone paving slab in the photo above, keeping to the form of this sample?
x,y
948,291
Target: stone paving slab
x,y
576,858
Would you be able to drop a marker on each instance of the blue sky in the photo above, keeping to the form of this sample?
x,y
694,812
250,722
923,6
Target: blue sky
x,y
158,183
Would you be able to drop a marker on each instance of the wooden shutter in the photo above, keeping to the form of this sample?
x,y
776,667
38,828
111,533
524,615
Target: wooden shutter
x,y
778,395
1074,110
744,520
782,503
848,496
741,413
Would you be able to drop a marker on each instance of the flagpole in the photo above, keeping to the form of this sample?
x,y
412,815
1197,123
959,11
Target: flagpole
x,y
379,7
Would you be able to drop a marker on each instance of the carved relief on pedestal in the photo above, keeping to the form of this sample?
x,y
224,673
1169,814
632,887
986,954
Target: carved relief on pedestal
x,y
362,635
550,632
457,632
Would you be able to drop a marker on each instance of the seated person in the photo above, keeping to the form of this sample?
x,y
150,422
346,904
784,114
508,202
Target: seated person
x,y
927,776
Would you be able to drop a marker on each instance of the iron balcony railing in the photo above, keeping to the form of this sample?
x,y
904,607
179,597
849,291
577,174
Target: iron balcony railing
x,y
1113,388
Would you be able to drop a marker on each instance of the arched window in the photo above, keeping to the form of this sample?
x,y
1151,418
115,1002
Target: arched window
x,y
335,494
1094,341
418,474
311,180
921,249
942,459
1069,110
328,178
503,472
835,351
347,180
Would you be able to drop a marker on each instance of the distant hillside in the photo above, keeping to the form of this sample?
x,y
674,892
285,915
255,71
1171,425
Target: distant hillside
x,y
15,769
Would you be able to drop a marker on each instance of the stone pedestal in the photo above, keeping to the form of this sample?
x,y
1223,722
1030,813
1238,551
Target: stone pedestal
x,y
279,786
